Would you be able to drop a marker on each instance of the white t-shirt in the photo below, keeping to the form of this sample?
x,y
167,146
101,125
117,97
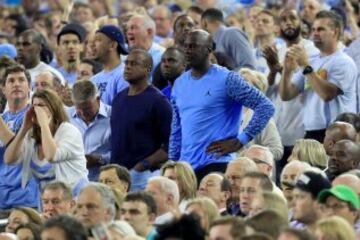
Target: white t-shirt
x,y
69,163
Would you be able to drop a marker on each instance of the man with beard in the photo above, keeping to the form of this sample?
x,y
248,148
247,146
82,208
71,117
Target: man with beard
x,y
205,128
328,80
70,41
288,115
109,44
172,66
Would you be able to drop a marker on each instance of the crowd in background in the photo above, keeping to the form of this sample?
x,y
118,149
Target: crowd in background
x,y
180,119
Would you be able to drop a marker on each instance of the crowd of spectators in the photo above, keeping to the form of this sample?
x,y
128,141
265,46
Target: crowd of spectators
x,y
180,119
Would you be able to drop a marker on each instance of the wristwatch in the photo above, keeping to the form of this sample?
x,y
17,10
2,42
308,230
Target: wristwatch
x,y
308,69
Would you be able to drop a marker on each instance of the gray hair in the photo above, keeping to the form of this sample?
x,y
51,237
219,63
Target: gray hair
x,y
122,227
167,186
107,196
56,80
269,157
83,91
148,22
247,164
303,165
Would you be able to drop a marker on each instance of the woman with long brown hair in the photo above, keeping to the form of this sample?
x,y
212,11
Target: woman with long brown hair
x,y
48,146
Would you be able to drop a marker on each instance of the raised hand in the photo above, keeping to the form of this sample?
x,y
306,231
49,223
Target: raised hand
x,y
271,55
42,117
299,54
290,64
29,119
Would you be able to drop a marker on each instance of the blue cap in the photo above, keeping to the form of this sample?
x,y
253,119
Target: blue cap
x,y
7,49
115,34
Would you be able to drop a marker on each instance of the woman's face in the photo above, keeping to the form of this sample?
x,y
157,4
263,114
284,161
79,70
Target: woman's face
x,y
15,219
38,102
25,234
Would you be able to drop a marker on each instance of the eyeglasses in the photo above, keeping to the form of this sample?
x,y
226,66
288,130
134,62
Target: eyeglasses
x,y
335,207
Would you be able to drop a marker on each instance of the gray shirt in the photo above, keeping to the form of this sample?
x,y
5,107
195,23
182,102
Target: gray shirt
x,y
235,44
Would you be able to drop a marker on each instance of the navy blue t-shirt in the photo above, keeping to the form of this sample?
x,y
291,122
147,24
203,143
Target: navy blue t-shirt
x,y
140,125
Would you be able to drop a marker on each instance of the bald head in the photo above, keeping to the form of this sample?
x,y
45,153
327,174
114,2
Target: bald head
x,y
36,36
197,46
336,132
349,180
202,37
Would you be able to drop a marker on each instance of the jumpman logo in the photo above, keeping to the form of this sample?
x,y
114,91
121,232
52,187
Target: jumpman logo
x,y
208,93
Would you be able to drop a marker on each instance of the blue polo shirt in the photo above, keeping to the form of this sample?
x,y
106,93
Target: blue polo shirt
x,y
12,194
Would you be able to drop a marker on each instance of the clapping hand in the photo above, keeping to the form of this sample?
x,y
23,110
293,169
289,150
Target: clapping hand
x,y
298,53
271,55
29,119
42,117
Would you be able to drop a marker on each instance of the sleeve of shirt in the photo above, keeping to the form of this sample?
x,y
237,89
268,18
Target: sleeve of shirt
x,y
175,135
241,92
69,143
342,74
240,50
163,116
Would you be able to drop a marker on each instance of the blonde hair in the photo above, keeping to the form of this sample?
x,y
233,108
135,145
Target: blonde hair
x,y
336,228
310,151
260,81
185,178
273,201
211,212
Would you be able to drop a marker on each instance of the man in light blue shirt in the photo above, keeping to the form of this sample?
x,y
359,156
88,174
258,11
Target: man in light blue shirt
x,y
140,33
109,44
16,88
207,103
328,80
92,118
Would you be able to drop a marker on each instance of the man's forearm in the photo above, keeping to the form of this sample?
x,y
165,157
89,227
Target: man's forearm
x,y
325,89
286,88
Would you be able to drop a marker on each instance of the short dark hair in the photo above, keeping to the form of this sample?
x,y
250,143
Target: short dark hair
x,y
122,172
336,20
225,184
73,229
195,9
265,182
15,68
351,118
213,14
148,61
186,227
144,197
96,66
55,185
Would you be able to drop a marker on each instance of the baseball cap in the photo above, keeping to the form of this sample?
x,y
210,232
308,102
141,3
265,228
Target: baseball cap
x,y
7,49
74,28
312,182
341,192
115,34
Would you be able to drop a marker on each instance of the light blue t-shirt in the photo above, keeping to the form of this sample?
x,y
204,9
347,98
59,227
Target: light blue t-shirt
x,y
11,192
339,69
209,109
110,83
156,51
70,77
